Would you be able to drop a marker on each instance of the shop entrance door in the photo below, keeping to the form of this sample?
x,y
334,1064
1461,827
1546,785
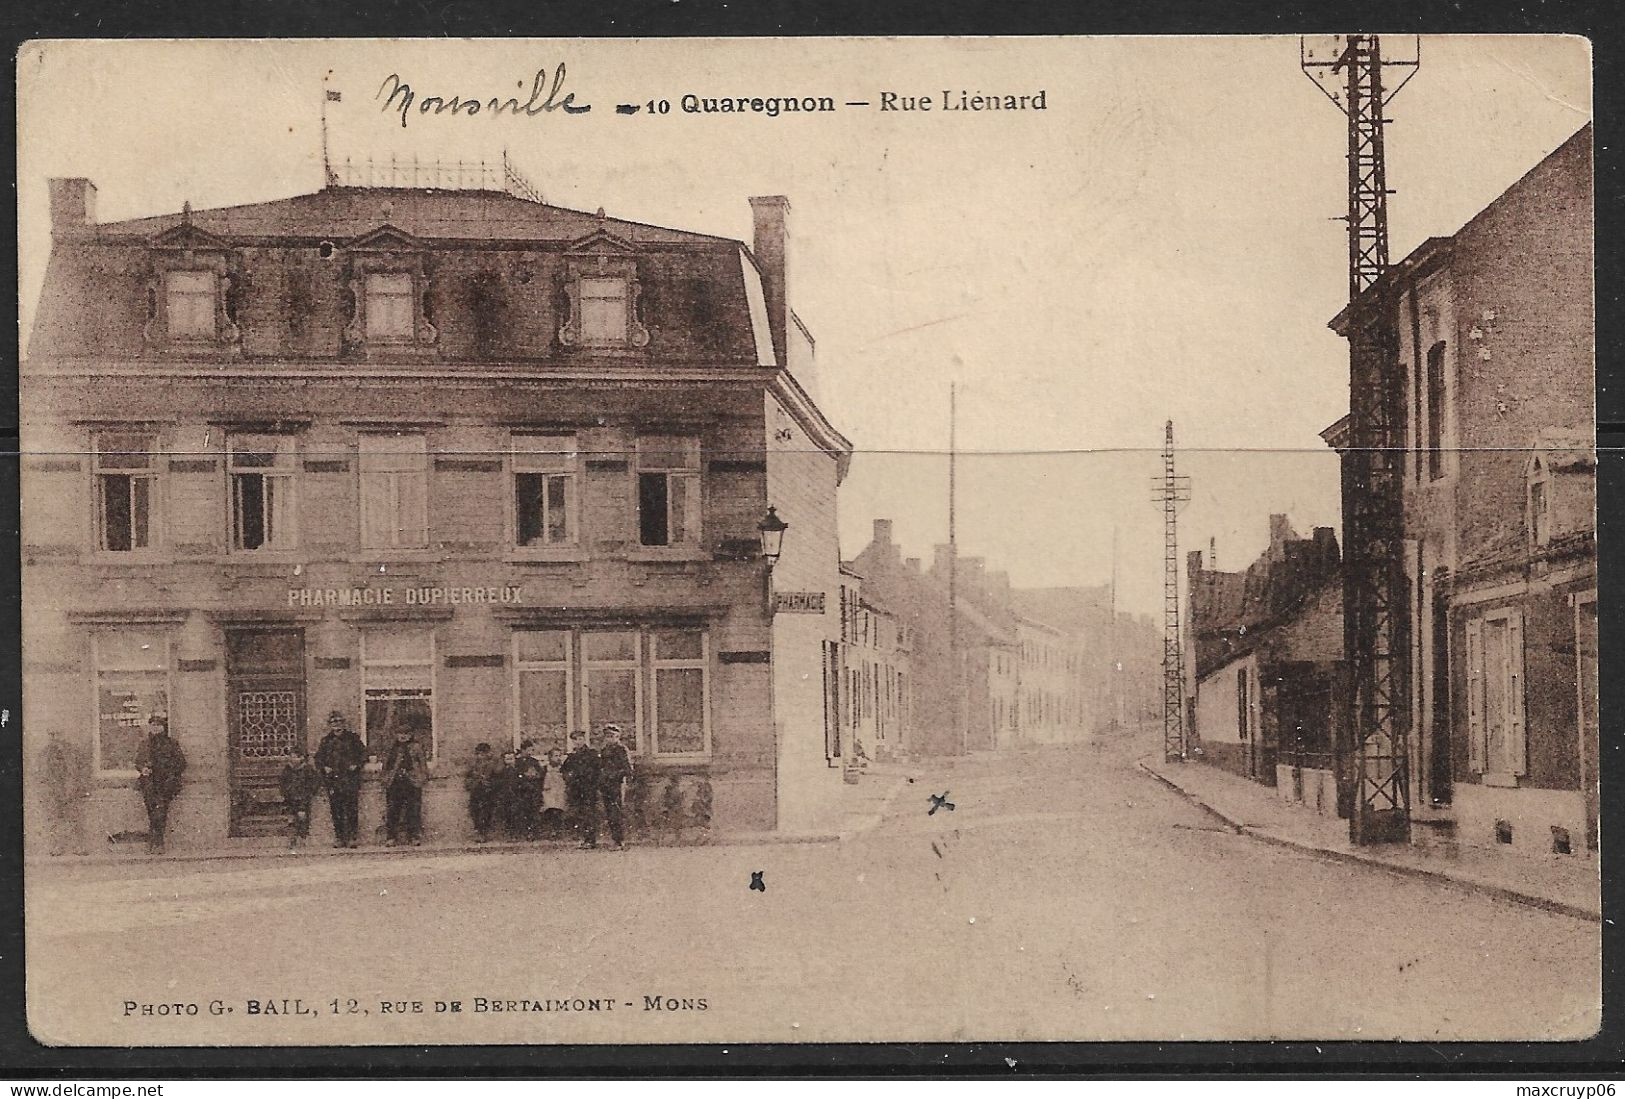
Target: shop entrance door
x,y
265,717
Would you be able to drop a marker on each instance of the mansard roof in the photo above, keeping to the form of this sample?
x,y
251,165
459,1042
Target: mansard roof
x,y
341,213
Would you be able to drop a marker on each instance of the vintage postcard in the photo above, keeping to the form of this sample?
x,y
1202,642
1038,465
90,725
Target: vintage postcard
x,y
773,540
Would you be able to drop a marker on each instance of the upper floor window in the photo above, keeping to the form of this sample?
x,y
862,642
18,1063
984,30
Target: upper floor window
x,y
261,472
389,308
189,304
544,489
668,490
126,491
604,313
1540,504
1435,411
394,491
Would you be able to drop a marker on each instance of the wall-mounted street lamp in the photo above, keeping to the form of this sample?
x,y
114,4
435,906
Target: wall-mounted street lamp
x,y
772,529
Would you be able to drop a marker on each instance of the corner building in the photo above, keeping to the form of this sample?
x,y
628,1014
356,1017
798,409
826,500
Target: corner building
x,y
408,453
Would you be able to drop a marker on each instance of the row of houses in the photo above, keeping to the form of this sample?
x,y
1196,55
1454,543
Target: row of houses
x,y
956,660
1496,664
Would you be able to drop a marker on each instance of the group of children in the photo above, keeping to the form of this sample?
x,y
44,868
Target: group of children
x,y
516,796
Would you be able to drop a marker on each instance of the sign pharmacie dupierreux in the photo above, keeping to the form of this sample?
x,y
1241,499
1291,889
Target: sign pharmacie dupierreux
x,y
406,596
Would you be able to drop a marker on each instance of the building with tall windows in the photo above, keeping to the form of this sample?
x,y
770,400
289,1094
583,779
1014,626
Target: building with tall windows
x,y
1493,398
425,456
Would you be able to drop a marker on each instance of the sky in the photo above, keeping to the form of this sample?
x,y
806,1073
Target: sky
x,y
1159,243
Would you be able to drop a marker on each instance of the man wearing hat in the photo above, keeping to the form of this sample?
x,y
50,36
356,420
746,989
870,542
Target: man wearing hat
x,y
339,758
406,769
160,763
614,770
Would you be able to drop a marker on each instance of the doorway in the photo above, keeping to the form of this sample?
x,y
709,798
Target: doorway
x,y
265,719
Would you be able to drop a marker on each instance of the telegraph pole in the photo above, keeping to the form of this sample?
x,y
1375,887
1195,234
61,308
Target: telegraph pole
x,y
1349,70
1172,492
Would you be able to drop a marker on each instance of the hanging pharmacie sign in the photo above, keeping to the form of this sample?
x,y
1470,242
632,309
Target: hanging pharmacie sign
x,y
404,596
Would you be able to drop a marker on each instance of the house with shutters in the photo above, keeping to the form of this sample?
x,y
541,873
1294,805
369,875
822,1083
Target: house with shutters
x,y
1494,399
448,457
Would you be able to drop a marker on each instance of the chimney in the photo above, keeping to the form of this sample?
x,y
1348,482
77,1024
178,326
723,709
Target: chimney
x,y
943,555
1193,563
770,245
1280,531
913,563
73,203
1326,544
882,532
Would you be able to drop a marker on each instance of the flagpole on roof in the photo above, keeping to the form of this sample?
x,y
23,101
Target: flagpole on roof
x,y
328,96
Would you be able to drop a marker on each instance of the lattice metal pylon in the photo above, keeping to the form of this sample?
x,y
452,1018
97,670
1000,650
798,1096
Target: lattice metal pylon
x,y
1171,493
1375,619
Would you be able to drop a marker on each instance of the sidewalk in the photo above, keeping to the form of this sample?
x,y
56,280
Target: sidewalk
x,y
1568,884
277,849
862,807
864,804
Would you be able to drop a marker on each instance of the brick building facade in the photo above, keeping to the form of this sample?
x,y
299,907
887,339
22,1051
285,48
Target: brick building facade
x,y
442,455
1494,327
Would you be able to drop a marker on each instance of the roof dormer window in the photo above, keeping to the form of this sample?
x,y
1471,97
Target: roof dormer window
x,y
190,301
604,312
389,308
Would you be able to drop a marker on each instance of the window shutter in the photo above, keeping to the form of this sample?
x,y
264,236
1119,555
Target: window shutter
x,y
1475,695
377,511
1519,756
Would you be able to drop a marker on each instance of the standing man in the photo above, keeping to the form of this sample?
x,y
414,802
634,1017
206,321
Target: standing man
x,y
482,781
581,787
66,784
160,763
340,758
405,772
614,771
529,774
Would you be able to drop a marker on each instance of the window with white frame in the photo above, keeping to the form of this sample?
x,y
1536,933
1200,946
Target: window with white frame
x,y
132,687
680,675
1495,694
604,310
397,687
126,491
390,310
652,681
261,469
189,304
394,491
668,490
544,687
613,688
544,490
1540,504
